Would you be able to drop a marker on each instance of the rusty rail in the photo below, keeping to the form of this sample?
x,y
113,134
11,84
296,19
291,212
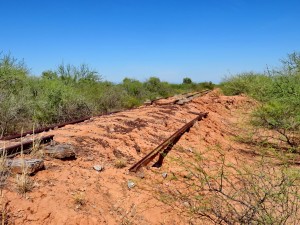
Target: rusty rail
x,y
188,97
16,148
184,95
51,127
168,142
40,130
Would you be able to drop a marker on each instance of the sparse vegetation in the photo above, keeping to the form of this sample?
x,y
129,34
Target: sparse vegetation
x,y
69,93
265,190
278,92
120,163
187,80
79,199
214,189
4,173
226,192
5,211
24,183
36,147
4,170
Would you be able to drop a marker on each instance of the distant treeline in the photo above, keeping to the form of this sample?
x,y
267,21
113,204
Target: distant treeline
x,y
71,92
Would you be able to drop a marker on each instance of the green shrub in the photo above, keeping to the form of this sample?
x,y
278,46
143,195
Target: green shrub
x,y
250,83
187,80
68,93
279,93
133,88
216,190
111,99
13,92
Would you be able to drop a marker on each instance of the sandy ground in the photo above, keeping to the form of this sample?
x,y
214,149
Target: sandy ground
x,y
72,192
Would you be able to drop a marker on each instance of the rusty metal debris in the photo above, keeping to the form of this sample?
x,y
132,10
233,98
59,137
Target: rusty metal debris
x,y
166,144
16,148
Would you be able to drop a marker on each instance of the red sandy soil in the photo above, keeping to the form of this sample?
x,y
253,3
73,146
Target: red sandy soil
x,y
129,135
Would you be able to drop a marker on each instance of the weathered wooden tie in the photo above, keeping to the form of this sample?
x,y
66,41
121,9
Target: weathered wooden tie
x,y
16,148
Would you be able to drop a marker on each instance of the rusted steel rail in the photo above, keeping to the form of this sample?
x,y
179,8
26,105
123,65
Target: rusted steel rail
x,y
192,96
164,145
51,127
16,148
40,130
186,98
185,95
201,93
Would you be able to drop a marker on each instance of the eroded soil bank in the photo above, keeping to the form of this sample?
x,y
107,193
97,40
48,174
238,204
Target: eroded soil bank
x,y
73,192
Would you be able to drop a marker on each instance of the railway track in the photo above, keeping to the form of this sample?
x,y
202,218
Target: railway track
x,y
164,147
185,98
14,148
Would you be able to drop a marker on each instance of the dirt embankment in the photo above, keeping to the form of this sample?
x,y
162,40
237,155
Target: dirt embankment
x,y
73,192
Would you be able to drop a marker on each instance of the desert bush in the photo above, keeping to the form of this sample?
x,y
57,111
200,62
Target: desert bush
x,y
133,88
13,113
206,85
13,90
224,192
111,99
250,83
283,117
187,80
70,74
280,110
278,91
12,74
156,88
131,102
67,93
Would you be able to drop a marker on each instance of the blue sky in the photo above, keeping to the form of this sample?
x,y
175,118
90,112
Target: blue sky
x,y
171,39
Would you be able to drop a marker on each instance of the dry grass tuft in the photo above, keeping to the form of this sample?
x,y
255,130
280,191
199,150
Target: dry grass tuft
x,y
5,211
4,169
120,163
79,199
24,183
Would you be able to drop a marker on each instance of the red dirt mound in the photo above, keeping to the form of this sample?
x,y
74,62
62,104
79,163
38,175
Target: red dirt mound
x,y
73,192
